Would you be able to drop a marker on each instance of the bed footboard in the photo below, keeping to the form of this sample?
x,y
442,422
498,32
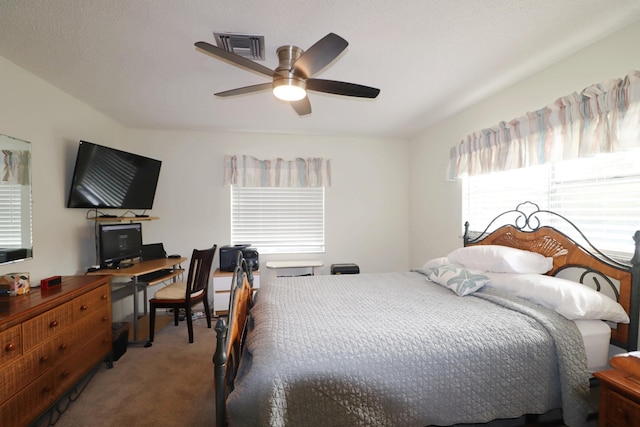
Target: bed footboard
x,y
230,336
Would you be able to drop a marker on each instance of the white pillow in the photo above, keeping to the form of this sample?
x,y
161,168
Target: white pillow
x,y
459,279
433,263
570,299
501,259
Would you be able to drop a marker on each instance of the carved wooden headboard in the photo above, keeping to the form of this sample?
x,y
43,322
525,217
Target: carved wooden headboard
x,y
588,264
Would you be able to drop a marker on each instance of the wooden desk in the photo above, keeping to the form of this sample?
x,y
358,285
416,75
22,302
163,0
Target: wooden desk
x,y
135,284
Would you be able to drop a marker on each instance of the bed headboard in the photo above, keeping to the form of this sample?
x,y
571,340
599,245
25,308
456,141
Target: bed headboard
x,y
525,229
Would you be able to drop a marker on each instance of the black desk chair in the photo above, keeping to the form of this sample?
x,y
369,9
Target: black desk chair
x,y
184,295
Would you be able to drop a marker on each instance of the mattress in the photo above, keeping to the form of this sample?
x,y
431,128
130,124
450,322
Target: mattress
x,y
596,335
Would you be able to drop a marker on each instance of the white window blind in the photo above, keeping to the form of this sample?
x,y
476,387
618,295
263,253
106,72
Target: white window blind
x,y
278,220
11,216
600,195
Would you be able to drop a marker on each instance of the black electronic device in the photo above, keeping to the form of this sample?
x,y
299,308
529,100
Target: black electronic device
x,y
229,254
105,177
119,242
345,269
155,275
153,251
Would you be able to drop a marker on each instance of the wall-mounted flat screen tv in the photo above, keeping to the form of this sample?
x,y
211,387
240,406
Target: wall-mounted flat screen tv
x,y
104,177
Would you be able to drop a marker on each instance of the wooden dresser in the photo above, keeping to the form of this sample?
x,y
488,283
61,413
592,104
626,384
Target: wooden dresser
x,y
49,341
620,392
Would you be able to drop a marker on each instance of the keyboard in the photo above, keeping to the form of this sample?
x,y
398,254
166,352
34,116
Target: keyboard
x,y
154,275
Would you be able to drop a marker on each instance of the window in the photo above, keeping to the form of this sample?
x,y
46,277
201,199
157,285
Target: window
x,y
278,220
600,195
12,228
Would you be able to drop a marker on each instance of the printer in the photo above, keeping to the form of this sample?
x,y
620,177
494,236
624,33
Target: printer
x,y
229,256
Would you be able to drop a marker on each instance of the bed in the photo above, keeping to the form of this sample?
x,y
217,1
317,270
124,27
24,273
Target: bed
x,y
479,335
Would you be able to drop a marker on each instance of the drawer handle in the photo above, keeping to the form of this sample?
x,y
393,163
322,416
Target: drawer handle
x,y
46,389
83,307
105,318
622,412
65,373
10,347
104,296
63,346
53,324
43,359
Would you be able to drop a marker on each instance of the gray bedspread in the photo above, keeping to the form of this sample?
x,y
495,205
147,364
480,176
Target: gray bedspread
x,y
395,349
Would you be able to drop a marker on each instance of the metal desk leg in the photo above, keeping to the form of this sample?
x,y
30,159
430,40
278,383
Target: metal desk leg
x,y
145,299
135,312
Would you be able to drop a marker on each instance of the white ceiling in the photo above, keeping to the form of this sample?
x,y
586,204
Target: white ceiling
x,y
134,60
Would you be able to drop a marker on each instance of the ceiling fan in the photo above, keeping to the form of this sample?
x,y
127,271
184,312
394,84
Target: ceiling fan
x,y
293,77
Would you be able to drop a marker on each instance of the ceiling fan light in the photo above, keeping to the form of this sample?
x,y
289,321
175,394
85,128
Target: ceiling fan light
x,y
289,90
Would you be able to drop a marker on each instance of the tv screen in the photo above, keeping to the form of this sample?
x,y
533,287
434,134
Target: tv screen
x,y
119,242
104,177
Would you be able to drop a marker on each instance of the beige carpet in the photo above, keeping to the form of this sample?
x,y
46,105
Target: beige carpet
x,y
168,384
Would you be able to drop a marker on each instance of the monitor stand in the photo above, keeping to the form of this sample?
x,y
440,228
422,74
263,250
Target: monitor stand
x,y
120,265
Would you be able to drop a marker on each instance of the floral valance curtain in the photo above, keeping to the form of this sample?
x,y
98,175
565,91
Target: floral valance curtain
x,y
247,171
16,167
603,118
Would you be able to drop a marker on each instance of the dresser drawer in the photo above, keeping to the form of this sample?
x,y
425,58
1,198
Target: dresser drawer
x,y
95,351
88,303
46,325
623,412
98,322
11,343
36,362
20,407
19,410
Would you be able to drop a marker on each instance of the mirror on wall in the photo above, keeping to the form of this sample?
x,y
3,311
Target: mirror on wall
x,y
16,242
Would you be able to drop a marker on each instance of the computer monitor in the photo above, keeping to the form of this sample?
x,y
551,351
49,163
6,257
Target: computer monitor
x,y
118,243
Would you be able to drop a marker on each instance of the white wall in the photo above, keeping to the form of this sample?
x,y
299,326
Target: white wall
x,y
435,212
53,122
366,208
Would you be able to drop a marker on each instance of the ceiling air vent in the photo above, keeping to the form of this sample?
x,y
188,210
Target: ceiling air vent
x,y
247,46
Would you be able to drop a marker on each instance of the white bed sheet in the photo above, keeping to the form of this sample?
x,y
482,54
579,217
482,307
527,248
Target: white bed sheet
x,y
596,335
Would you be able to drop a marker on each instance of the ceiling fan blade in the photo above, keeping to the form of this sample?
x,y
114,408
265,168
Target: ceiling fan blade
x,y
319,55
246,89
342,88
234,59
302,107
